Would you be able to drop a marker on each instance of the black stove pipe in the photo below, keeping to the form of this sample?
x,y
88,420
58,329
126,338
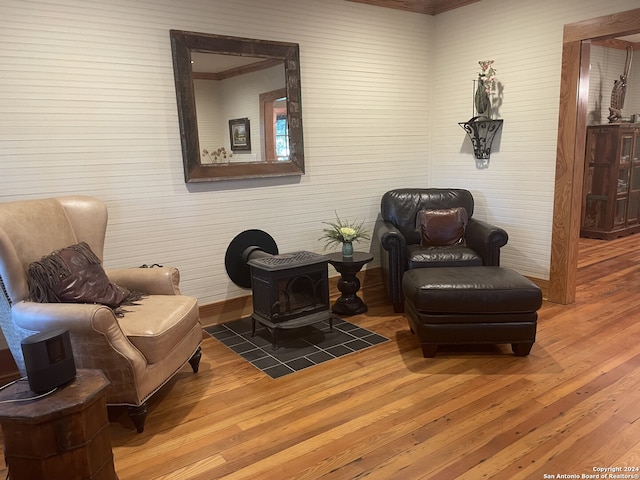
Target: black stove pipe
x,y
248,245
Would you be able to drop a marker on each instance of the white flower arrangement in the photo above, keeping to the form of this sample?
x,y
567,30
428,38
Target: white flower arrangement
x,y
342,231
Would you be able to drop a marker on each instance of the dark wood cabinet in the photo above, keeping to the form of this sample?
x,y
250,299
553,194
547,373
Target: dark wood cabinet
x,y
611,185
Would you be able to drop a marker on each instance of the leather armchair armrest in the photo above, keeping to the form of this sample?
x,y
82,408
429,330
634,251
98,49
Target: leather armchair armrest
x,y
153,281
77,317
94,330
393,261
393,242
390,237
486,239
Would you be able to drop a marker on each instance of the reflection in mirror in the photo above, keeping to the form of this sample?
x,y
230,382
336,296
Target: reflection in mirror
x,y
274,133
227,87
222,80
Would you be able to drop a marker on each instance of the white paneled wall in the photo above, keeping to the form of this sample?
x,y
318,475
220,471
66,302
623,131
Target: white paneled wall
x,y
525,40
88,106
212,131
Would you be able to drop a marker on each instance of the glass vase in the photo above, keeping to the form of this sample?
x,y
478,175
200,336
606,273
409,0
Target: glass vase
x,y
482,100
347,249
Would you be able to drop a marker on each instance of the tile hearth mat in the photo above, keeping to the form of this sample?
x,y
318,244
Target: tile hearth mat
x,y
298,348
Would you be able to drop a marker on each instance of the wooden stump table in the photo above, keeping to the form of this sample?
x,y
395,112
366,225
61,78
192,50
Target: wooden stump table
x,y
62,435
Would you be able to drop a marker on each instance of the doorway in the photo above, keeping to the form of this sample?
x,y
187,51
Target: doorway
x,y
574,93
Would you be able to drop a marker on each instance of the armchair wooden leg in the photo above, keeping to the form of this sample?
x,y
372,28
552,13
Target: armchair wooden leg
x,y
194,361
138,415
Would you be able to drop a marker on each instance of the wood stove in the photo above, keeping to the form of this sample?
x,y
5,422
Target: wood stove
x,y
289,290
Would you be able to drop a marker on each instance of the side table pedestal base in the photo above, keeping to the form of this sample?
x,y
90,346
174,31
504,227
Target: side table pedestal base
x,y
349,303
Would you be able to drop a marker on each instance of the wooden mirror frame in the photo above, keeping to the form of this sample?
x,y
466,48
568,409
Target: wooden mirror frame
x,y
182,44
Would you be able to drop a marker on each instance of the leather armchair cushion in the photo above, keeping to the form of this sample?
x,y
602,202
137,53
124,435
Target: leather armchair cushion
x,y
442,227
447,256
154,334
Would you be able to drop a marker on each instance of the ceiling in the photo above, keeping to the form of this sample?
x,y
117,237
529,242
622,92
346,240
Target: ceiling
x,y
434,7
429,7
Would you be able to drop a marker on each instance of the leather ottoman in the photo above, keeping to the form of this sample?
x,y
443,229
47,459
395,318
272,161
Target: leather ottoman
x,y
471,305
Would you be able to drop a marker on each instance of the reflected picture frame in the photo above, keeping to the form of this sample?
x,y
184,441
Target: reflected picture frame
x,y
240,134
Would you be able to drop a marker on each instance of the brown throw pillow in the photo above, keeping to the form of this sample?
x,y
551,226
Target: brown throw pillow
x,y
73,275
442,227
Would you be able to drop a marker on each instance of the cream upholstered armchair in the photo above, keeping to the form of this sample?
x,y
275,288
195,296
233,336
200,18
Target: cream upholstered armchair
x,y
140,350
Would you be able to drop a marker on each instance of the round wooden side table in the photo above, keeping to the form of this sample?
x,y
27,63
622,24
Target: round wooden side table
x,y
349,303
63,435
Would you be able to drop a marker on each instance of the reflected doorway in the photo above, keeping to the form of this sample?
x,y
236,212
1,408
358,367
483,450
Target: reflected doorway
x,y
273,125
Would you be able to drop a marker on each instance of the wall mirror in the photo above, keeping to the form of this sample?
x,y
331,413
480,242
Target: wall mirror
x,y
239,106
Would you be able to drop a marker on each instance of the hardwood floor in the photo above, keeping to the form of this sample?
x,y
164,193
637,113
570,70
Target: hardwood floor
x,y
571,406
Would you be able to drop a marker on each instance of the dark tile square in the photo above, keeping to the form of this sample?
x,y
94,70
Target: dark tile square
x,y
255,354
223,334
299,363
213,329
233,340
320,357
242,347
345,327
298,348
292,350
262,338
242,326
330,339
339,350
266,362
357,344
339,322
374,339
278,371
359,332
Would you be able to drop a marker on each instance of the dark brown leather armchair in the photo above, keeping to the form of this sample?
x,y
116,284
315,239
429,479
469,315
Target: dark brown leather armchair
x,y
400,248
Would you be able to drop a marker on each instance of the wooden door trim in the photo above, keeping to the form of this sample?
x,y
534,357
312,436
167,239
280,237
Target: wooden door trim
x,y
574,95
